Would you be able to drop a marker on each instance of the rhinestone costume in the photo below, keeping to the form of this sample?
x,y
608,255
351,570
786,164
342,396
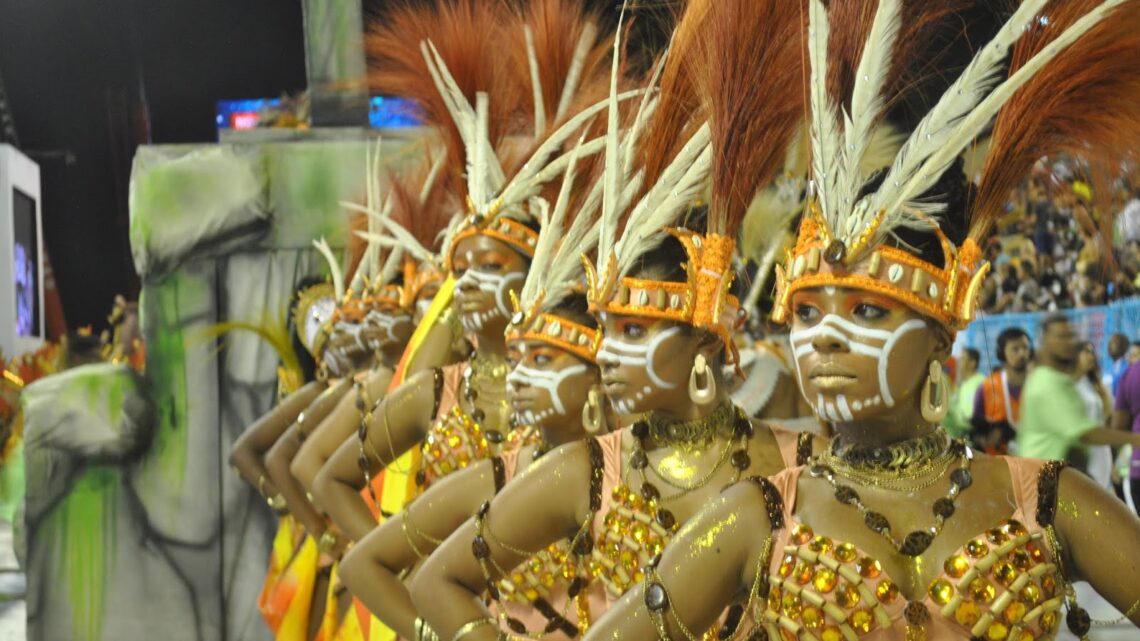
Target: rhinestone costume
x,y
1001,585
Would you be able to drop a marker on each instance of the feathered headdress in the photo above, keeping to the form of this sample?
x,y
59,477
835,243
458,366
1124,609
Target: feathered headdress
x,y
1068,55
725,115
498,195
417,213
556,272
370,286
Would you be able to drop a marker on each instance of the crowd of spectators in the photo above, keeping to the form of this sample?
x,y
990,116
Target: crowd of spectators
x,y
1049,256
1051,400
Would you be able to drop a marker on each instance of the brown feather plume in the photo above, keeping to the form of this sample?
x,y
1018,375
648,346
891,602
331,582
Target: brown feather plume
x,y
924,52
557,26
469,36
426,220
355,246
747,70
1085,102
678,115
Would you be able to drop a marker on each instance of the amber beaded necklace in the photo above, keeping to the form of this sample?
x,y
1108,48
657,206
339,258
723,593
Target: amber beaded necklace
x,y
486,376
918,541
725,419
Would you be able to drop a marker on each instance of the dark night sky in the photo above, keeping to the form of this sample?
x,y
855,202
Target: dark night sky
x,y
88,81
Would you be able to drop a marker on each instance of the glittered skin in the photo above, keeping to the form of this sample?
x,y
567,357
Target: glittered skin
x,y
858,354
486,271
645,363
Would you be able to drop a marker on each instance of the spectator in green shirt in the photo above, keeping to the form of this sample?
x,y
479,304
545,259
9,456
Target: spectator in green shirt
x,y
1054,423
962,399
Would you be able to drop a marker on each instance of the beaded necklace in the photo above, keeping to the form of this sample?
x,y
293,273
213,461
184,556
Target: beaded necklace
x,y
895,459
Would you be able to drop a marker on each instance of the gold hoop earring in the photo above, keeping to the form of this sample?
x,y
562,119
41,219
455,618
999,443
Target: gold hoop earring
x,y
706,394
593,415
935,395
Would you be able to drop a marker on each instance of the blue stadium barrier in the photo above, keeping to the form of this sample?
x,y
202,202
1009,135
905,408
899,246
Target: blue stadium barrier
x,y
1094,324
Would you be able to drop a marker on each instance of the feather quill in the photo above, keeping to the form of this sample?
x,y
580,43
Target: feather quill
x,y
574,75
612,171
867,98
536,83
974,122
825,134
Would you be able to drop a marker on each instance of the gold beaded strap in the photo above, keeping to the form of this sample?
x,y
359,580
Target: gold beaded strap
x,y
424,631
500,472
580,545
437,387
803,448
1048,480
365,406
472,626
773,501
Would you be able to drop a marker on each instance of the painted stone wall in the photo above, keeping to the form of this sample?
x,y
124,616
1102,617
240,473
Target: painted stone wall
x,y
160,540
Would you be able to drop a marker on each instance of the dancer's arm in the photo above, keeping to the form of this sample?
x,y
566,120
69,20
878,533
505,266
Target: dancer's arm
x,y
283,451
375,568
547,503
248,453
398,424
337,428
717,558
1100,538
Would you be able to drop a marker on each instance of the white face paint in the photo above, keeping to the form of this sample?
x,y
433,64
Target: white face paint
x,y
851,337
497,285
615,352
345,343
387,324
551,381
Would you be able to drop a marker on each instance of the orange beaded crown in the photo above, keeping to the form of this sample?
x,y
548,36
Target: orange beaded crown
x,y
508,230
948,295
702,300
556,331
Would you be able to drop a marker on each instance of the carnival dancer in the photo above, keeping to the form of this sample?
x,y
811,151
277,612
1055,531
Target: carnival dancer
x,y
554,391
662,294
895,531
365,332
417,212
459,414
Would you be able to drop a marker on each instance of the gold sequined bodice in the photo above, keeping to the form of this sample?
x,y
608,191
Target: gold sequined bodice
x,y
547,572
454,441
629,538
1002,585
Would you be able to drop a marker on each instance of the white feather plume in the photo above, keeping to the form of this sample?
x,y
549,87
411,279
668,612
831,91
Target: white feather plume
x,y
433,175
970,127
574,74
911,174
537,279
334,267
539,169
648,107
680,183
826,143
867,99
535,83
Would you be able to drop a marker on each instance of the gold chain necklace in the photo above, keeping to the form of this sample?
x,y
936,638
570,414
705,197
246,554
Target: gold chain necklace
x,y
717,422
486,377
928,458
916,542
